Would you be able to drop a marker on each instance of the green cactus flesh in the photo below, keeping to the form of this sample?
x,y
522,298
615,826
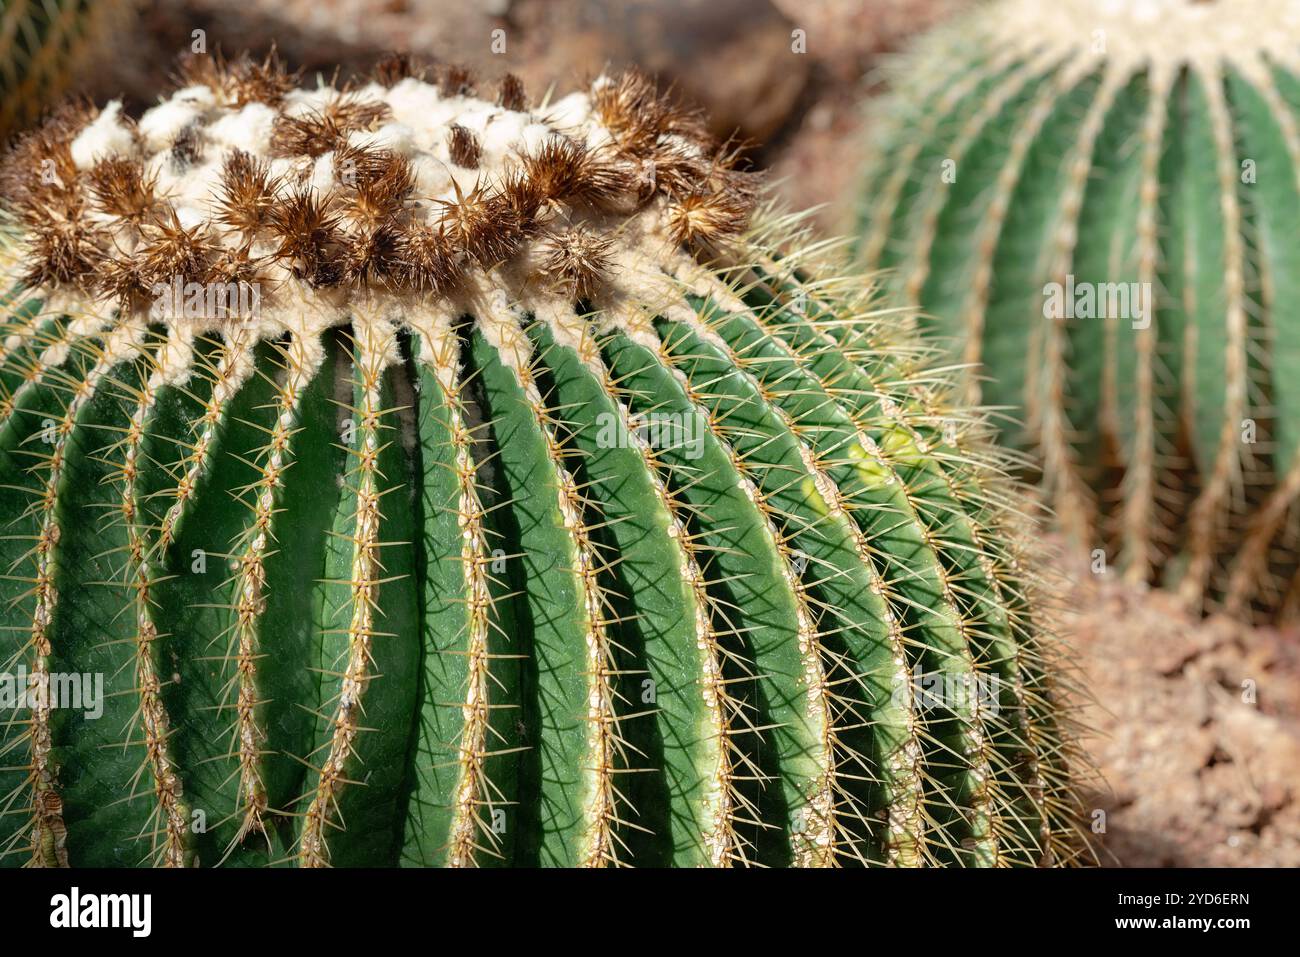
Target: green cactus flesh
x,y
545,512
1086,155
42,44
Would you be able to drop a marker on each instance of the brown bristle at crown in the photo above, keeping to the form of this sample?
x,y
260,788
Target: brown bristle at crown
x,y
680,172
483,225
320,131
63,252
369,224
37,168
371,253
187,147
248,193
350,112
457,81
575,261
392,68
241,81
234,265
308,237
428,261
464,147
201,69
309,135
512,95
565,169
377,183
119,187
354,165
634,110
524,197
704,218
175,251
123,281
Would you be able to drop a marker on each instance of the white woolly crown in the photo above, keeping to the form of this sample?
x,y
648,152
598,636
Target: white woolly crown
x,y
312,200
1157,33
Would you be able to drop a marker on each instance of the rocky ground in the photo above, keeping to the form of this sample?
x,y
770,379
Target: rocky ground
x,y
1196,729
1197,723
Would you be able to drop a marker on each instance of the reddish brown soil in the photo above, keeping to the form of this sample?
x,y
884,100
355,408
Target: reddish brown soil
x,y
1197,730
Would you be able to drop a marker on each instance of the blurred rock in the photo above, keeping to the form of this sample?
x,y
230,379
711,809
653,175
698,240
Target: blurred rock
x,y
847,34
732,57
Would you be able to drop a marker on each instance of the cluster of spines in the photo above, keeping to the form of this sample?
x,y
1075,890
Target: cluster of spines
x,y
978,530
248,586
78,370
172,820
1141,435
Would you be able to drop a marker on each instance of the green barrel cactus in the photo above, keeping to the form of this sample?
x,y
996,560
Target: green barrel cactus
x,y
1096,203
439,479
43,44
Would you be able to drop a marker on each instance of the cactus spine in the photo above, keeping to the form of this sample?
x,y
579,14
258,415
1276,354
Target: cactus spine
x,y
42,45
1040,161
545,510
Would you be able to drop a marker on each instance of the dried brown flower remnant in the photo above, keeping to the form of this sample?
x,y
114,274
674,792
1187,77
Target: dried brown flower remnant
x,y
706,217
565,169
63,253
317,132
308,237
428,263
376,184
248,193
38,169
576,261
173,250
393,68
119,187
638,115
482,225
512,95
457,81
465,149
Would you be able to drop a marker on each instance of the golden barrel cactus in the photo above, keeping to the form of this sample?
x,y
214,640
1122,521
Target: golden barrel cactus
x,y
440,478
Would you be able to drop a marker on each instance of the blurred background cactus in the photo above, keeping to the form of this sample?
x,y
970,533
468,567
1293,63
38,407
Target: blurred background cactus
x,y
47,47
1096,204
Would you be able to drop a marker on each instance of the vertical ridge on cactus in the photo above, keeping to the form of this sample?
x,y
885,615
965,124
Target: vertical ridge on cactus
x,y
1035,155
521,502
